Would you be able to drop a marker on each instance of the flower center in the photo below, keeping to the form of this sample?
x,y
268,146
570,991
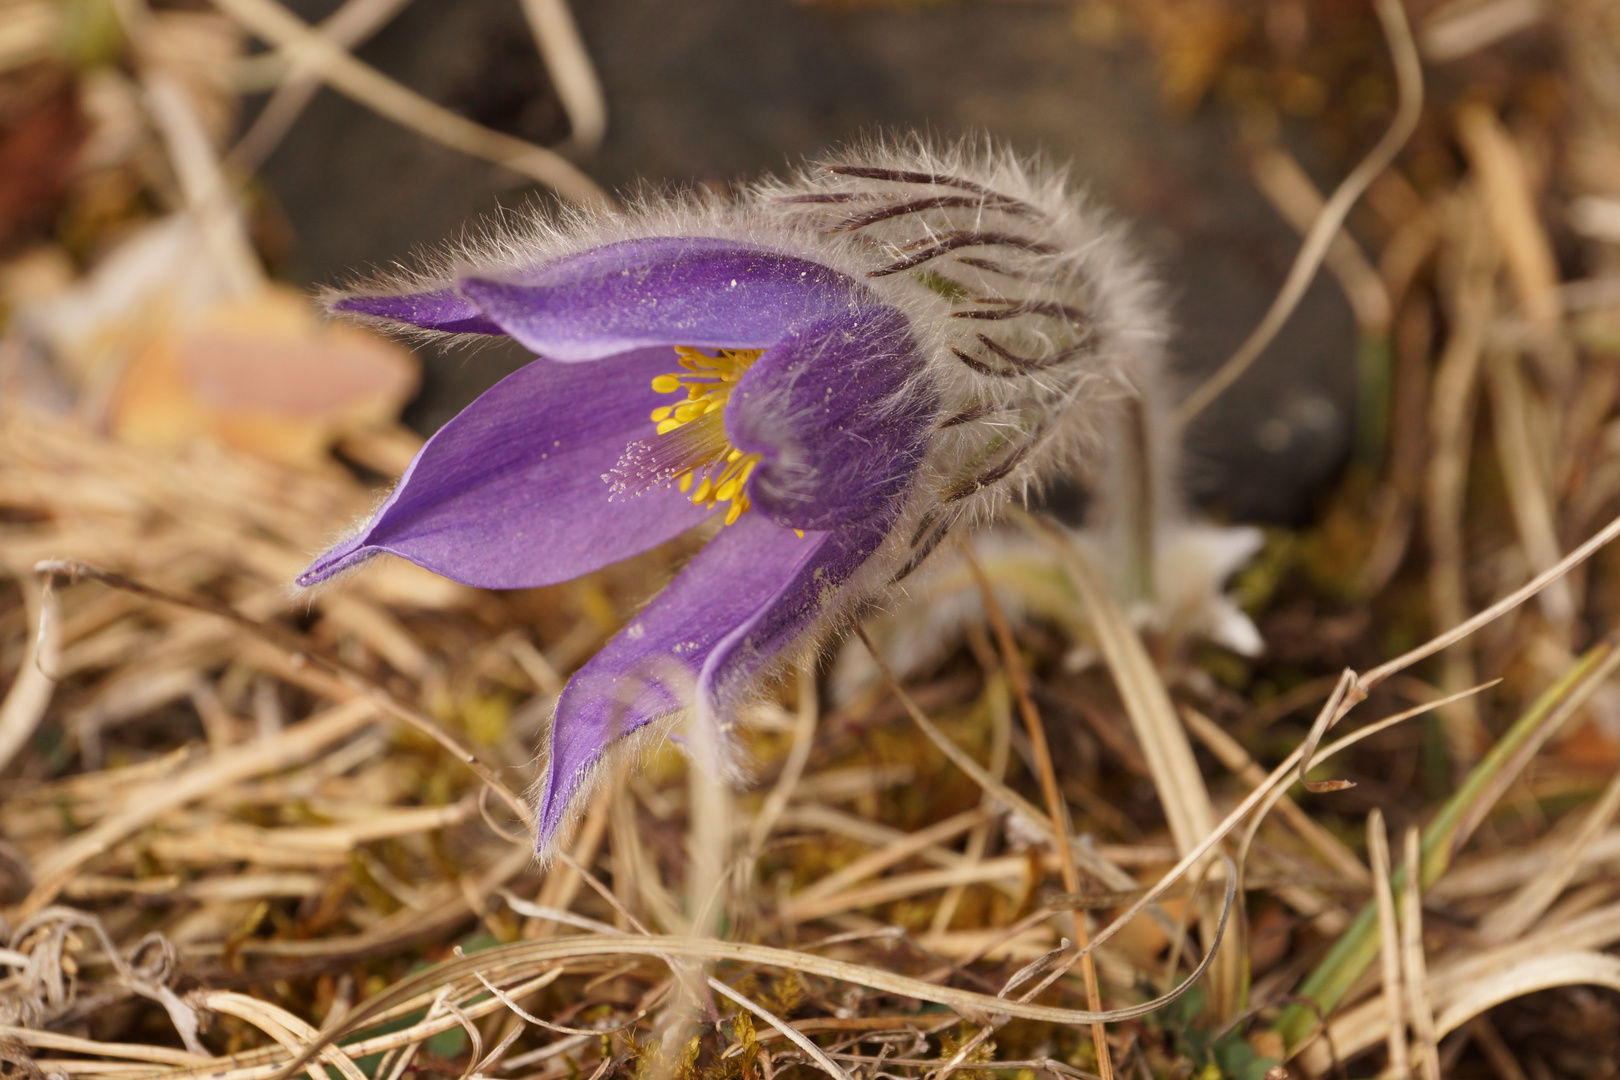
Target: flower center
x,y
691,449
719,469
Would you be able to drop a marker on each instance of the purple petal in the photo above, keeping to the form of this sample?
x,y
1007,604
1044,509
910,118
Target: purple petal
x,y
510,494
735,664
735,606
698,291
837,415
441,309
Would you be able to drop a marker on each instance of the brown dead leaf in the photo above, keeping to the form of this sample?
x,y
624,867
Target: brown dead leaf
x,y
263,375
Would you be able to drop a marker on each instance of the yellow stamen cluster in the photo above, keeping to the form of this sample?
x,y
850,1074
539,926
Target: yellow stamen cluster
x,y
719,470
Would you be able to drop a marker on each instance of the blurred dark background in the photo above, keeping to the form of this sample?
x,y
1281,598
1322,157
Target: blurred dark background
x,y
708,91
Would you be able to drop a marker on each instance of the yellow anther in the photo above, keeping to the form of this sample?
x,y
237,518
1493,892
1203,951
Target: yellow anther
x,y
799,533
706,459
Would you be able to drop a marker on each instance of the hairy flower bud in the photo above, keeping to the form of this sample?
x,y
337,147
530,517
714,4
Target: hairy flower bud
x,y
841,368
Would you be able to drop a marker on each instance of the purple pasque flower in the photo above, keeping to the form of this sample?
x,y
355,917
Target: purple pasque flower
x,y
829,373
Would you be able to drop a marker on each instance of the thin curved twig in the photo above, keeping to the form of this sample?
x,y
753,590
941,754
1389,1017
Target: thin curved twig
x,y
568,63
371,88
1409,80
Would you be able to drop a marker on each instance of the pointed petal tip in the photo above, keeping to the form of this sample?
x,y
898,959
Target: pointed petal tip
x,y
438,309
547,827
317,572
334,562
552,813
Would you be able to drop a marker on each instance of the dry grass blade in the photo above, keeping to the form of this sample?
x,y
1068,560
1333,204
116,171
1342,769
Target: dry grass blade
x,y
1569,562
1521,911
30,692
1414,967
326,677
1056,808
562,884
998,701
1409,75
1513,755
1389,943
376,91
292,746
1356,940
1357,947
347,27
1232,755
1452,406
1258,797
804,738
811,1050
1510,204
568,63
1108,873
881,859
558,915
1516,452
1511,869
1352,688
1290,190
209,200
50,1040
439,1019
562,1029
1534,973
1174,769
283,1027
1346,695
501,962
